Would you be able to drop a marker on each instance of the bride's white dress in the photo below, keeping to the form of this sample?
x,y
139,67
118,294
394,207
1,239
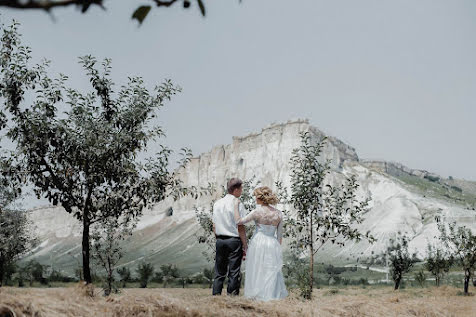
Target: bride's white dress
x,y
264,260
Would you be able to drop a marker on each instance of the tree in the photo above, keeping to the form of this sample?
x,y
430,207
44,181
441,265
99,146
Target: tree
x,y
319,212
158,277
106,237
438,262
140,13
15,239
145,272
420,278
399,258
169,273
34,271
125,275
80,150
462,246
208,276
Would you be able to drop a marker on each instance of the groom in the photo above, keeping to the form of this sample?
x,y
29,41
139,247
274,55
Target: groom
x,y
231,242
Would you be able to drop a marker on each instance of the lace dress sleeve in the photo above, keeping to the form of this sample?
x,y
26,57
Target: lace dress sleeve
x,y
251,216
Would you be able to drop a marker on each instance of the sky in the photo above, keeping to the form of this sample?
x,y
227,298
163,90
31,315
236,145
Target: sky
x,y
394,79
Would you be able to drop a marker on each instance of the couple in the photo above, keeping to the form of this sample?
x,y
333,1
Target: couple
x,y
264,279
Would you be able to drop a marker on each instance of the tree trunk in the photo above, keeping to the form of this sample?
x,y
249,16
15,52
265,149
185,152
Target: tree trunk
x,y
85,245
437,279
109,277
397,283
2,271
311,260
467,275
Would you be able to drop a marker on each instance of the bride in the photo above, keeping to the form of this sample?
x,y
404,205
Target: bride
x,y
263,277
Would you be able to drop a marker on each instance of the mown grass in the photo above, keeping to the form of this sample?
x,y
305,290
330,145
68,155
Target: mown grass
x,y
327,301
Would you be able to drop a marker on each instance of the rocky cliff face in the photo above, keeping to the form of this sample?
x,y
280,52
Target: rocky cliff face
x,y
265,155
402,204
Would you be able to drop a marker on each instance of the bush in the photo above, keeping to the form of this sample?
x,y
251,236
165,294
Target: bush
x,y
420,278
145,272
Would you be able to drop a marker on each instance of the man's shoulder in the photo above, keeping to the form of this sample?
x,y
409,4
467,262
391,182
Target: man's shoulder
x,y
221,201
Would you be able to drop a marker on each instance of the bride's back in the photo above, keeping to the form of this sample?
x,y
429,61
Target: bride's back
x,y
267,215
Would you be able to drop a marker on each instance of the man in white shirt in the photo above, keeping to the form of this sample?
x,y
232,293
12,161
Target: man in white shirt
x,y
231,242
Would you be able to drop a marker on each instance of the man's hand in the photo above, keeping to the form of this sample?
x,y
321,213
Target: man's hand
x,y
242,233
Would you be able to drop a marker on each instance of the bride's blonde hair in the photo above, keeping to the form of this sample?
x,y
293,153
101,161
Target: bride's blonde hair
x,y
266,195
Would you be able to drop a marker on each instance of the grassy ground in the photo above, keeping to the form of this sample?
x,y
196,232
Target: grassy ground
x,y
328,301
439,190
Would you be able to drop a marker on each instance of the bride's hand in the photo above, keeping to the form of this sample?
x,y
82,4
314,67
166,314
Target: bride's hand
x,y
244,255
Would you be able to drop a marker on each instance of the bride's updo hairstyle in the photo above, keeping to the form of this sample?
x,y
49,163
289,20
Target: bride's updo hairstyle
x,y
266,195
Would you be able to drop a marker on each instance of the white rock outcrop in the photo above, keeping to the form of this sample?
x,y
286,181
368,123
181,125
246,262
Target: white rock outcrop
x,y
395,205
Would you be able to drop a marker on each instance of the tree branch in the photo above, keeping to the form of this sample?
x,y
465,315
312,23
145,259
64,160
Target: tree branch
x,y
47,5
161,3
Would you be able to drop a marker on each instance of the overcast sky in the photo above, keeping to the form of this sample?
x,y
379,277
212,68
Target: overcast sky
x,y
394,79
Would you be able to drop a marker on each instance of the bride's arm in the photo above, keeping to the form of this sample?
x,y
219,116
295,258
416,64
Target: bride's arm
x,y
242,220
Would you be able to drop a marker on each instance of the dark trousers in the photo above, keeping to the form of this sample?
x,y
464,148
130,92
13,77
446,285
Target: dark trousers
x,y
229,253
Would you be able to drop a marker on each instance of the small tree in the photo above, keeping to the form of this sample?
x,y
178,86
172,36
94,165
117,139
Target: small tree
x,y
322,213
169,273
125,275
208,276
399,258
16,238
438,262
145,272
420,278
81,150
462,245
158,277
107,236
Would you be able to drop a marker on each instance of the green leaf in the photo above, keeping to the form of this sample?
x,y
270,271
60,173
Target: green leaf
x,y
202,7
141,13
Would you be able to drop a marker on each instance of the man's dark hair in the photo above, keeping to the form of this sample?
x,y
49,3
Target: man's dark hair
x,y
233,184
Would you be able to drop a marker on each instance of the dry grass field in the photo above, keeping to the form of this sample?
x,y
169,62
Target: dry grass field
x,y
371,301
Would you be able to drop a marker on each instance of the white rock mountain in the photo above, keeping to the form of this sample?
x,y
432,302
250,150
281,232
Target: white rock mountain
x,y
403,200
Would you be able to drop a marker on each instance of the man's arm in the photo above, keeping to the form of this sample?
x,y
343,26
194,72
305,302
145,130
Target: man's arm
x,y
242,233
241,228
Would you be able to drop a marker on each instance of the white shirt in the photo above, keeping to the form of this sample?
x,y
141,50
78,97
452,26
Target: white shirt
x,y
224,216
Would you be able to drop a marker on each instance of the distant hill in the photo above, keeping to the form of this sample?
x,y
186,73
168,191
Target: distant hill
x,y
403,200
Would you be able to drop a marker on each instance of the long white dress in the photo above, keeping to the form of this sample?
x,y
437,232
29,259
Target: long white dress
x,y
264,259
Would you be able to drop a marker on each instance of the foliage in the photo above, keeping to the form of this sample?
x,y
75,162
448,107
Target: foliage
x,y
438,262
169,273
107,236
57,276
15,235
145,272
205,215
319,212
296,274
139,14
15,239
461,244
80,150
420,278
399,258
124,274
